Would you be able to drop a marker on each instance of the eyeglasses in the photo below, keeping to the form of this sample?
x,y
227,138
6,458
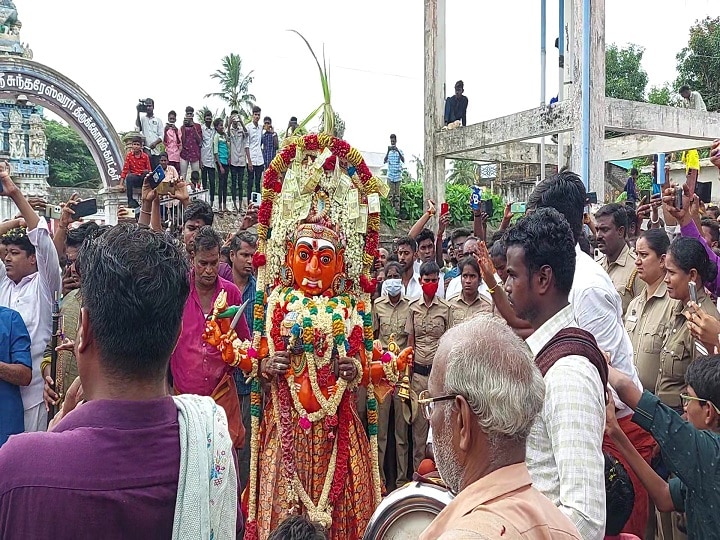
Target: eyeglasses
x,y
428,403
686,397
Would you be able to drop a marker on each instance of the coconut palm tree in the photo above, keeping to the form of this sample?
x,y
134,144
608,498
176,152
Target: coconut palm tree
x,y
200,114
463,172
234,86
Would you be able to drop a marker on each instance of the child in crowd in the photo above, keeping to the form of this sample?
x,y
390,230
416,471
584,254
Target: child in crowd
x,y
690,448
135,169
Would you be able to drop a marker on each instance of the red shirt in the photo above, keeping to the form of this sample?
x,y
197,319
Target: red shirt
x,y
136,164
196,366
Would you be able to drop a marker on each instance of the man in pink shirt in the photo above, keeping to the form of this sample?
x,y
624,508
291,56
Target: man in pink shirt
x,y
173,141
197,368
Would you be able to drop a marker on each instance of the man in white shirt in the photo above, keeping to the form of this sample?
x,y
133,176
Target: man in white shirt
x,y
564,449
691,99
29,283
256,165
153,131
407,251
239,157
207,156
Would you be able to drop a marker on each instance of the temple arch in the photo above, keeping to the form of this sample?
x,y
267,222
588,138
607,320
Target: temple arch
x,y
46,87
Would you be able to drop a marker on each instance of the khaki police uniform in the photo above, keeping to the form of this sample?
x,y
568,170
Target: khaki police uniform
x,y
427,325
678,351
623,274
462,311
389,319
646,322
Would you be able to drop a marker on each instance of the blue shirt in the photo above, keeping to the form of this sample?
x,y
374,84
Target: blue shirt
x,y
693,455
631,189
394,165
452,273
14,349
248,293
268,147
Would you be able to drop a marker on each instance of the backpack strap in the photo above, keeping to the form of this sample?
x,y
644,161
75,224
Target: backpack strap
x,y
572,341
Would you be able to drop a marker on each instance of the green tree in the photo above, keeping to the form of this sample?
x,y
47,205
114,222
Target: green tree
x,y
234,86
624,76
463,172
698,64
71,163
661,95
200,114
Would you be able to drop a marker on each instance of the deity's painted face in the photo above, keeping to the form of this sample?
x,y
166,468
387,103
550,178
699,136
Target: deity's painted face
x,y
315,262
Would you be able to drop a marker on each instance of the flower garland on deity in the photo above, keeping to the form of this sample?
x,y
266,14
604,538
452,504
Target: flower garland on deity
x,y
315,175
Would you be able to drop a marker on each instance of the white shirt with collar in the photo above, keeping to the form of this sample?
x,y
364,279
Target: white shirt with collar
x,y
254,143
597,308
152,129
33,297
564,448
207,156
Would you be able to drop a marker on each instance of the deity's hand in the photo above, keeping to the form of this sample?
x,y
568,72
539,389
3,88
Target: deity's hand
x,y
277,364
347,368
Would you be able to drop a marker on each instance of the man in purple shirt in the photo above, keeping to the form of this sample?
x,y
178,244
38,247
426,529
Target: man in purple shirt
x,y
112,467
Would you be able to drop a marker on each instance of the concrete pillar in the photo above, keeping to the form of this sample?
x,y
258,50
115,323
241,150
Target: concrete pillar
x,y
596,180
434,173
113,200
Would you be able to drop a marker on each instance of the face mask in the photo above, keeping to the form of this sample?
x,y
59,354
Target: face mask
x,y
430,289
393,287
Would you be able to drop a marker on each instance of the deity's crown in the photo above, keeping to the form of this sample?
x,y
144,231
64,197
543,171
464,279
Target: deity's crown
x,y
318,224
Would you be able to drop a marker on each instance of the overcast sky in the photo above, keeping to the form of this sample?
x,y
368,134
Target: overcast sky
x,y
121,51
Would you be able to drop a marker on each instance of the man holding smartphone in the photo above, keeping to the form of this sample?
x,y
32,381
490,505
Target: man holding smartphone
x,y
29,283
152,129
394,158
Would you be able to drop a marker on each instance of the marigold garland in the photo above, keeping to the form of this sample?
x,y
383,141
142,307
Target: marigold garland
x,y
335,409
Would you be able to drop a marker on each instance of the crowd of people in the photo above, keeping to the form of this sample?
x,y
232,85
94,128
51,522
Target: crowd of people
x,y
212,153
564,380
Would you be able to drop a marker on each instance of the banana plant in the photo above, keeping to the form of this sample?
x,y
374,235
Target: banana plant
x,y
328,113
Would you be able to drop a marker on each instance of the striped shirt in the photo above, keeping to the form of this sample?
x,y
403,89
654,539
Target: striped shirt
x,y
394,165
564,449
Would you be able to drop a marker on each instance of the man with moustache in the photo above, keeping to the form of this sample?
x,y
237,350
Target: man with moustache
x,y
483,396
196,367
242,248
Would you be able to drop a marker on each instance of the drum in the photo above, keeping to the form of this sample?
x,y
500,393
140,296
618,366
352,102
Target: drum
x,y
407,512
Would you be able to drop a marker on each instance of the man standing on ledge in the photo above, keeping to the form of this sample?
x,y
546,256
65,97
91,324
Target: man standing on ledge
x,y
153,131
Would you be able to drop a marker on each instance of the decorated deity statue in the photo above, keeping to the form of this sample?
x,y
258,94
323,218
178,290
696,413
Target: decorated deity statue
x,y
318,232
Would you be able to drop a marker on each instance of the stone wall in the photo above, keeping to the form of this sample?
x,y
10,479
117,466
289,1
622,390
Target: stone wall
x,y
57,195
